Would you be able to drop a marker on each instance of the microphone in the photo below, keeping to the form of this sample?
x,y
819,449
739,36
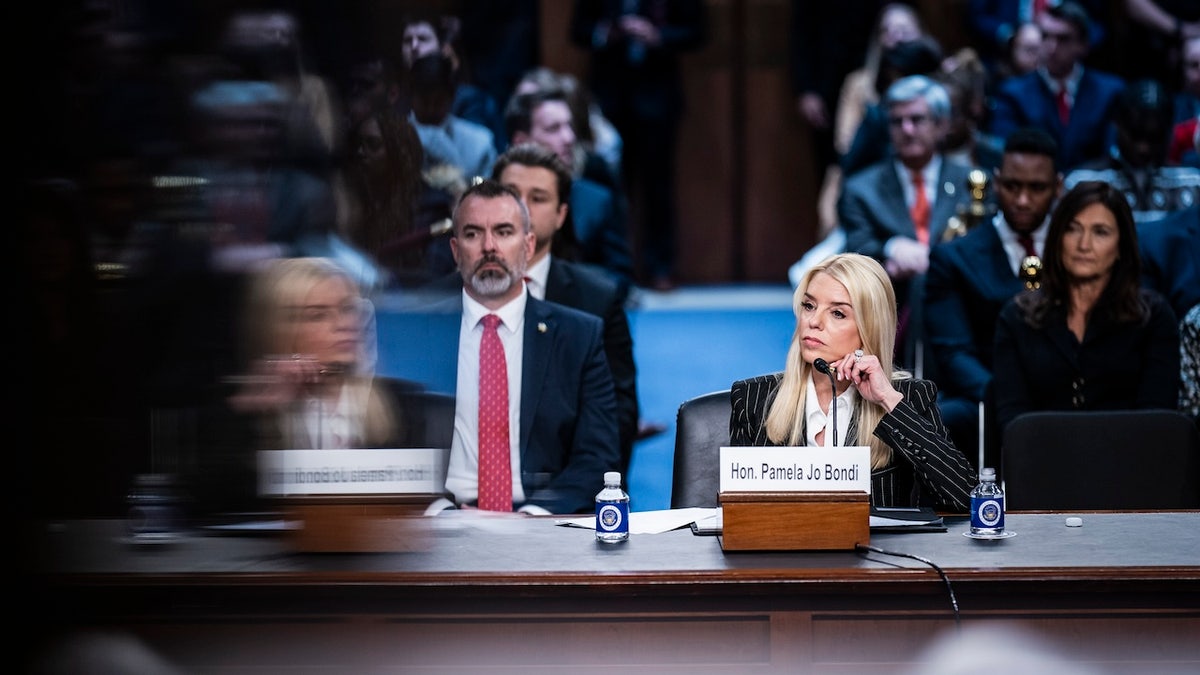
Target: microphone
x,y
822,366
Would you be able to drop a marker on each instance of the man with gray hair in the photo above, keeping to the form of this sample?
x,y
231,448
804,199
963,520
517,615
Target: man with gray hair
x,y
896,209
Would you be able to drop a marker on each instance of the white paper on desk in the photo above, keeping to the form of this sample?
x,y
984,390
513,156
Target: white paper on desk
x,y
648,522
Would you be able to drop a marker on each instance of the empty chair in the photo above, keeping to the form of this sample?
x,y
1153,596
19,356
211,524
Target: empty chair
x,y
1106,460
701,428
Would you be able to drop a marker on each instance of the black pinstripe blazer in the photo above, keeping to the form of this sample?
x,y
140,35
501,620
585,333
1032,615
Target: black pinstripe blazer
x,y
926,468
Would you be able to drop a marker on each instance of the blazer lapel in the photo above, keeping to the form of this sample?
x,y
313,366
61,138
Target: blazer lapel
x,y
945,203
536,350
895,209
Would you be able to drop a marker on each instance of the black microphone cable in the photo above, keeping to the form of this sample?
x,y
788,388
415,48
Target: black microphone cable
x,y
822,366
949,588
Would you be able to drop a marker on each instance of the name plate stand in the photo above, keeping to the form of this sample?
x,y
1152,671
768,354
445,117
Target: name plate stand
x,y
357,524
354,501
795,499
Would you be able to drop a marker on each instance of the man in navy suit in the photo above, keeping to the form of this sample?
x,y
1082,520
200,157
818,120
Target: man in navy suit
x,y
880,205
562,413
545,185
971,277
1073,103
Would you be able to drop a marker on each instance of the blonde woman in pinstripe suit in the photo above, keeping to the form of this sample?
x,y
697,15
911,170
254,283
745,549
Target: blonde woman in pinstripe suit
x,y
846,314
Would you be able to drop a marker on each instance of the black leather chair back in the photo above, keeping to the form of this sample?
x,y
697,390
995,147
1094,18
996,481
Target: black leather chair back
x,y
701,428
1105,460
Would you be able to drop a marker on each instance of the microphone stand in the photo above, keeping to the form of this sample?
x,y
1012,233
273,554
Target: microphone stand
x,y
822,366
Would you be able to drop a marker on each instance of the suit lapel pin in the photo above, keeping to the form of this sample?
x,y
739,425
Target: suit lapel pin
x,y
541,327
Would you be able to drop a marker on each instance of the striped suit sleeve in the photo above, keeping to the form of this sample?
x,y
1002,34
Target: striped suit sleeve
x,y
916,431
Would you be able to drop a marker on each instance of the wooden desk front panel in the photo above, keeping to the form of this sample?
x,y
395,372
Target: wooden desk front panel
x,y
545,599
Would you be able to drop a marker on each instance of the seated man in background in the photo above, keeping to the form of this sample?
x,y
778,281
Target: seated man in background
x,y
1069,100
897,208
535,425
544,184
597,220
971,277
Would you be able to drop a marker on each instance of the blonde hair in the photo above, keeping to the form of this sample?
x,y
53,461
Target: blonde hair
x,y
271,330
874,303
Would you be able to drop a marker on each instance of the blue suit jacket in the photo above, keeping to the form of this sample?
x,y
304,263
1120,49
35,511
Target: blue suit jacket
x,y
968,282
1026,101
569,432
1170,251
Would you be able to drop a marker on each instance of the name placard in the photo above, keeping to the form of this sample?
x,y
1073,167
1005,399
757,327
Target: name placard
x,y
346,472
796,469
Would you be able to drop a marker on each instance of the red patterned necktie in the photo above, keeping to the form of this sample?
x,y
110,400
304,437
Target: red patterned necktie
x,y
920,208
1064,107
495,462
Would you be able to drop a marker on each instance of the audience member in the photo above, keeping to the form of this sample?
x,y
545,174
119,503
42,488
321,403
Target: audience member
x,y
846,315
539,176
634,73
396,214
596,231
1187,99
598,143
1157,30
536,419
971,277
1170,252
1071,101
423,34
1135,164
965,80
1090,337
826,42
501,40
896,209
1020,56
872,140
452,145
266,45
992,24
896,22
306,382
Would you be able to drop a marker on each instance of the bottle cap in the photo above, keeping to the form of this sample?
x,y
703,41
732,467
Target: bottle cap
x,y
612,477
987,472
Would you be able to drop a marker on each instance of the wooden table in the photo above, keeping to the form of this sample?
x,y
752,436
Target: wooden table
x,y
523,595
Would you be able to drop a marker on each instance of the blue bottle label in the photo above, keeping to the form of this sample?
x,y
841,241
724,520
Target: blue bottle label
x,y
987,512
612,517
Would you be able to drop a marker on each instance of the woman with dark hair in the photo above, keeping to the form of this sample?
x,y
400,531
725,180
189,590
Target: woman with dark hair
x,y
1090,337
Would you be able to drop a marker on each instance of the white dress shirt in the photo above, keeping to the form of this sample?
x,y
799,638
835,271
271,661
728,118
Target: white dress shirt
x,y
1013,248
462,474
817,419
536,276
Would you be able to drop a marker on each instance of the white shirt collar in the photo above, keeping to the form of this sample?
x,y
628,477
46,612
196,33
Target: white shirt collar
x,y
510,314
536,276
1012,247
817,419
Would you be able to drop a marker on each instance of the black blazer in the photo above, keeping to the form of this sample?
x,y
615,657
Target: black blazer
x,y
926,468
1116,367
968,282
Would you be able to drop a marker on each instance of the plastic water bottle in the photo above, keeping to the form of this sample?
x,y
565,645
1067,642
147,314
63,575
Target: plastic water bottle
x,y
987,505
612,510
